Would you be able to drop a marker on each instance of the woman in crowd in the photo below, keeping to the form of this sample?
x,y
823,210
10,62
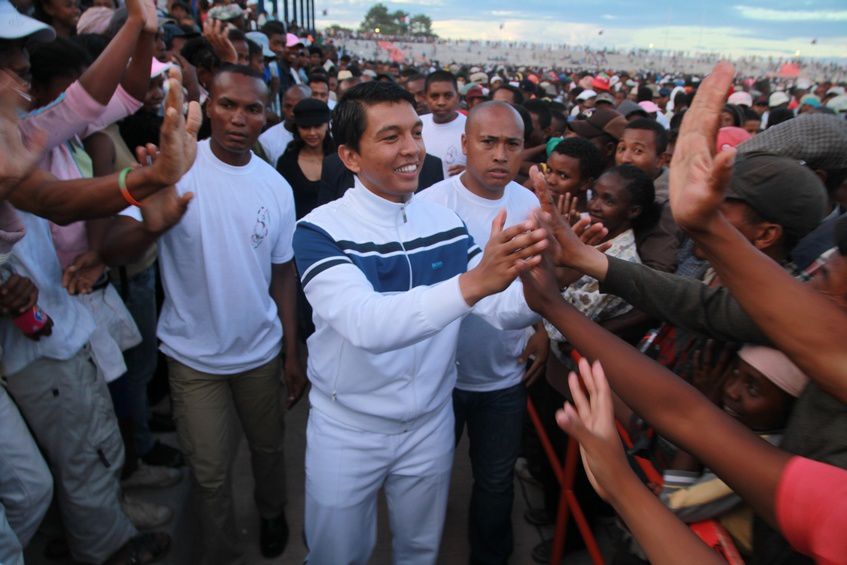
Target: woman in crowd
x,y
303,158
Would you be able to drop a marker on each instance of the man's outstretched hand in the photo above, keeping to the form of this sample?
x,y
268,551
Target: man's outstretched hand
x,y
508,253
698,179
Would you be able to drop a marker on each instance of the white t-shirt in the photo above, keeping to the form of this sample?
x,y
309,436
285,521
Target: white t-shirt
x,y
445,140
486,357
274,140
218,316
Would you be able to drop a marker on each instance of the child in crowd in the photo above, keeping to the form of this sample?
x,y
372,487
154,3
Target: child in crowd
x,y
759,391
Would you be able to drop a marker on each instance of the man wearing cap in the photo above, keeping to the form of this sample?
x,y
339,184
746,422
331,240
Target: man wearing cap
x,y
584,103
603,128
776,101
820,141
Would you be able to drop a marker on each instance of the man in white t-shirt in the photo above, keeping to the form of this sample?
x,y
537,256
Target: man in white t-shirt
x,y
230,303
443,128
490,396
276,138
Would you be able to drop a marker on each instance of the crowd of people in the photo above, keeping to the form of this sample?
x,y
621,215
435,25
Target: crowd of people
x,y
421,251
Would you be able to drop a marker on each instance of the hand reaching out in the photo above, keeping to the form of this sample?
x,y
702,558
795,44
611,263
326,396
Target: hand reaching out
x,y
537,350
508,253
215,31
698,179
591,421
178,136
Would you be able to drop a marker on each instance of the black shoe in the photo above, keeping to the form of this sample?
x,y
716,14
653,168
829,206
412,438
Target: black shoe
x,y
164,456
537,517
273,536
542,552
161,423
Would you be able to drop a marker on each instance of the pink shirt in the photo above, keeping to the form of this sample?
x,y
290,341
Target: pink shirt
x,y
73,115
811,509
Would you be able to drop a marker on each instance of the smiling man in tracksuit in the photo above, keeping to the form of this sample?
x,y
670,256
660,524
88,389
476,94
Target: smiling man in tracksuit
x,y
390,278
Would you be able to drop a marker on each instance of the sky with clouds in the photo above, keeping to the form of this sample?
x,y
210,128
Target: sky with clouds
x,y
774,27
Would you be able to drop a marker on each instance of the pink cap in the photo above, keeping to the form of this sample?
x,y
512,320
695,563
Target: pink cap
x,y
731,137
291,40
741,98
157,67
648,106
776,367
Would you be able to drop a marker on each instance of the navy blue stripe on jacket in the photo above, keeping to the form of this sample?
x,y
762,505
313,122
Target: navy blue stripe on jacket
x,y
431,259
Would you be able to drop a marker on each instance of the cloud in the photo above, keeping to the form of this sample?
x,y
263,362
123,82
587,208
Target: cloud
x,y
770,15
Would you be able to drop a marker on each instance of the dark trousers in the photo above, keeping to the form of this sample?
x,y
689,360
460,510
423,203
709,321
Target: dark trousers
x,y
493,420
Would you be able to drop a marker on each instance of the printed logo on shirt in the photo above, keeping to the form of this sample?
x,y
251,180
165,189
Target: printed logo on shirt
x,y
260,230
452,155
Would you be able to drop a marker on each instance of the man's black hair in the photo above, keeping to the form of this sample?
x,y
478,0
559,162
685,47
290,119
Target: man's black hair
x,y
642,193
527,122
199,52
540,109
409,72
59,58
654,126
519,98
591,160
441,76
676,120
318,77
644,93
93,43
414,76
736,113
750,114
240,70
315,49
235,34
349,118
180,4
779,115
273,27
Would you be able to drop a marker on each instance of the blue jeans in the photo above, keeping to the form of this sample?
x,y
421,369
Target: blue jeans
x,y
494,420
141,359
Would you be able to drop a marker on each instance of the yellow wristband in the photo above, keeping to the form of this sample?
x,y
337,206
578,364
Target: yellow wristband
x,y
124,190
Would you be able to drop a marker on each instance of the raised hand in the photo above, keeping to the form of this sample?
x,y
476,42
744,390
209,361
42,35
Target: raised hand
x,y
17,159
151,18
591,421
508,253
215,31
136,11
80,276
698,179
178,136
537,350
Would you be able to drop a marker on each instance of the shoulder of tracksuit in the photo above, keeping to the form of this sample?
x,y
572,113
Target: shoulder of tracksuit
x,y
439,248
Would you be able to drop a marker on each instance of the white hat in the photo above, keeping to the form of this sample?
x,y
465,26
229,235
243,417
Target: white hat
x,y
777,99
803,84
837,90
14,25
741,98
263,41
586,94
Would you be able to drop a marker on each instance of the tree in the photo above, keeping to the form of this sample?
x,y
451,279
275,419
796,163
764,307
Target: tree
x,y
395,23
421,24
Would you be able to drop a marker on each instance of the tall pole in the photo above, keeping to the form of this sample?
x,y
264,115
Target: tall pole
x,y
294,10
284,13
302,21
314,27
